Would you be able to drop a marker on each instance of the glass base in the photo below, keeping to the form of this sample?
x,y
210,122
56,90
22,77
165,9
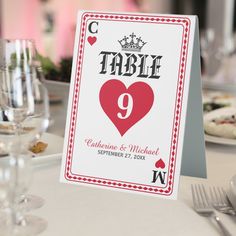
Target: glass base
x,y
31,225
31,202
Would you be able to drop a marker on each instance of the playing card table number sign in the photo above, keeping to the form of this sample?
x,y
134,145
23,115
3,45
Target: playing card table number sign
x,y
134,109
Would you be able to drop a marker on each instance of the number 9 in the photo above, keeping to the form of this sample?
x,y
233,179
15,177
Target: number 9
x,y
128,108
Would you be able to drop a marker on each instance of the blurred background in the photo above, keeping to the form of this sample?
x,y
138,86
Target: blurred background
x,y
51,23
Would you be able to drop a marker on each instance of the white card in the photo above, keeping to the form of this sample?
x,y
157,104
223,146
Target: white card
x,y
128,102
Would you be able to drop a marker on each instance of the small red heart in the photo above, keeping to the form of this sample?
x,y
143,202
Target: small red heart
x,y
160,164
92,40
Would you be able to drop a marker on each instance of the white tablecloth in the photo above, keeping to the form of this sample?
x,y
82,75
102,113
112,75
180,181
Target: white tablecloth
x,y
88,211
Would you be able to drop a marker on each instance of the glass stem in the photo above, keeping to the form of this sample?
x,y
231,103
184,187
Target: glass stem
x,y
16,212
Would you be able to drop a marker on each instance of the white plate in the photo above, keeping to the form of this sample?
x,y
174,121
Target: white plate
x,y
226,111
219,140
232,191
53,151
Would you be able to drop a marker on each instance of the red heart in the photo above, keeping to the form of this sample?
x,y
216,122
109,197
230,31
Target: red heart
x,y
160,164
92,40
138,95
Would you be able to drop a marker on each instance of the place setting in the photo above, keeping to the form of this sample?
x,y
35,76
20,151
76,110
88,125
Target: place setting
x,y
206,203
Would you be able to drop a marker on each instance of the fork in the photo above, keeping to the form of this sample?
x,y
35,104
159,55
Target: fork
x,y
220,201
203,206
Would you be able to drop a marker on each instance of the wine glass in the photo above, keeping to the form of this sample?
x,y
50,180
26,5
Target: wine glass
x,y
5,181
23,120
15,176
22,52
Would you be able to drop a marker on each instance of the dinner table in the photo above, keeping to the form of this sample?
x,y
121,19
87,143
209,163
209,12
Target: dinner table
x,y
87,211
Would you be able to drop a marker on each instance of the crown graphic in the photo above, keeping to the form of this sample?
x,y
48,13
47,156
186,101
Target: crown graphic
x,y
132,43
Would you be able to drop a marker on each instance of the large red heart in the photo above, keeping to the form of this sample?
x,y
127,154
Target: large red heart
x,y
114,95
92,40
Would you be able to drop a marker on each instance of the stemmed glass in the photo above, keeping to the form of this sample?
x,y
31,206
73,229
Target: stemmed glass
x,y
22,121
23,51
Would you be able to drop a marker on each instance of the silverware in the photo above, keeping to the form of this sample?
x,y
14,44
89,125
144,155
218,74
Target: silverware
x,y
220,201
202,206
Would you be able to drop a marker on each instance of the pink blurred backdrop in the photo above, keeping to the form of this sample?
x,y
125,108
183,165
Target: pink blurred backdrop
x,y
25,19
